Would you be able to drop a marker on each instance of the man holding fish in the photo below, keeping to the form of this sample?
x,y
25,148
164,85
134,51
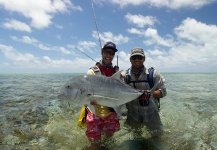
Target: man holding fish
x,y
105,119
103,92
144,111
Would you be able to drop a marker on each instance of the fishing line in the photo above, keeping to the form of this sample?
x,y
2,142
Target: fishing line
x,y
96,24
98,29
97,34
86,54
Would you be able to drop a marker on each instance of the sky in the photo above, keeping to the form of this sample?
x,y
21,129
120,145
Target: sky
x,y
65,36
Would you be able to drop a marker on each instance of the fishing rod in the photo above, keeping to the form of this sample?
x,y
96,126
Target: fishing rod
x,y
96,24
97,34
98,29
117,60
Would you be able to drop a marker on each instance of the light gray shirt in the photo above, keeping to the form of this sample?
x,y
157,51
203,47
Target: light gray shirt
x,y
135,110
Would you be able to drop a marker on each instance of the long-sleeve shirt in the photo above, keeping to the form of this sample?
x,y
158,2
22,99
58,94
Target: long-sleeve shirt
x,y
135,110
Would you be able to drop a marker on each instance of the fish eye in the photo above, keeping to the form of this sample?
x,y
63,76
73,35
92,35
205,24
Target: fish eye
x,y
68,86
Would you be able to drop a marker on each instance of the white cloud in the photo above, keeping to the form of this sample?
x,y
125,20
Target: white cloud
x,y
63,50
86,45
21,61
172,4
12,54
197,32
124,56
16,25
140,20
26,39
39,12
156,52
152,37
47,59
108,36
25,61
58,62
65,65
135,31
193,48
44,47
199,39
36,43
83,46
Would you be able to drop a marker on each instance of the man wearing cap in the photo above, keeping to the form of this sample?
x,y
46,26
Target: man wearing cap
x,y
144,110
105,119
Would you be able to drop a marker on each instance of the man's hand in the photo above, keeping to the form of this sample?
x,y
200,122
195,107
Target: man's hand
x,y
93,102
144,98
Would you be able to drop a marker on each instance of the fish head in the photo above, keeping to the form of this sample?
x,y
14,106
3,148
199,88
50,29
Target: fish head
x,y
73,90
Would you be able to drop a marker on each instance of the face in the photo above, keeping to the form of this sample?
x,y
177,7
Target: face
x,y
107,56
137,61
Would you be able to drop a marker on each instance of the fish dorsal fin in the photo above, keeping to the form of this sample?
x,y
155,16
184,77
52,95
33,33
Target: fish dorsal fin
x,y
117,75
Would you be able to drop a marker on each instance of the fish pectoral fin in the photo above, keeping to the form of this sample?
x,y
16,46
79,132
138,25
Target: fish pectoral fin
x,y
117,75
118,111
93,97
91,108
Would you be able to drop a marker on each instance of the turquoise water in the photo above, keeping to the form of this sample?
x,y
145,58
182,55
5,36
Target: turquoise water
x,y
32,117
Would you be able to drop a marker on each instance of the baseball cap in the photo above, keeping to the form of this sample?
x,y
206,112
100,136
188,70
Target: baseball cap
x,y
110,45
137,51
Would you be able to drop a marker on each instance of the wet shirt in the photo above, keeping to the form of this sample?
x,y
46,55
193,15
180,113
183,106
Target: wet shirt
x,y
135,110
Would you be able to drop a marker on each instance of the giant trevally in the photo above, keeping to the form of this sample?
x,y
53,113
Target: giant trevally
x,y
106,91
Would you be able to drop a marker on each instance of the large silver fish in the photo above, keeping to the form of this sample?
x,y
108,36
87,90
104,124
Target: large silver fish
x,y
106,91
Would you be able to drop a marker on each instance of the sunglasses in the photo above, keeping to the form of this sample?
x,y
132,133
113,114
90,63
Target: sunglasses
x,y
137,57
108,52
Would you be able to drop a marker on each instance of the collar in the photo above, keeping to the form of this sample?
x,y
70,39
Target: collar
x,y
105,65
137,73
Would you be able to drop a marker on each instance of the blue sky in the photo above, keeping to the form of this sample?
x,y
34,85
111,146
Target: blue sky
x,y
48,35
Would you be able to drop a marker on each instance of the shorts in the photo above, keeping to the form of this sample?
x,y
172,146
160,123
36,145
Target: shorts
x,y
97,125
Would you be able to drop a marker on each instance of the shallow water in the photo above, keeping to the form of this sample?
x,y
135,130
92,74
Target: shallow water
x,y
32,117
